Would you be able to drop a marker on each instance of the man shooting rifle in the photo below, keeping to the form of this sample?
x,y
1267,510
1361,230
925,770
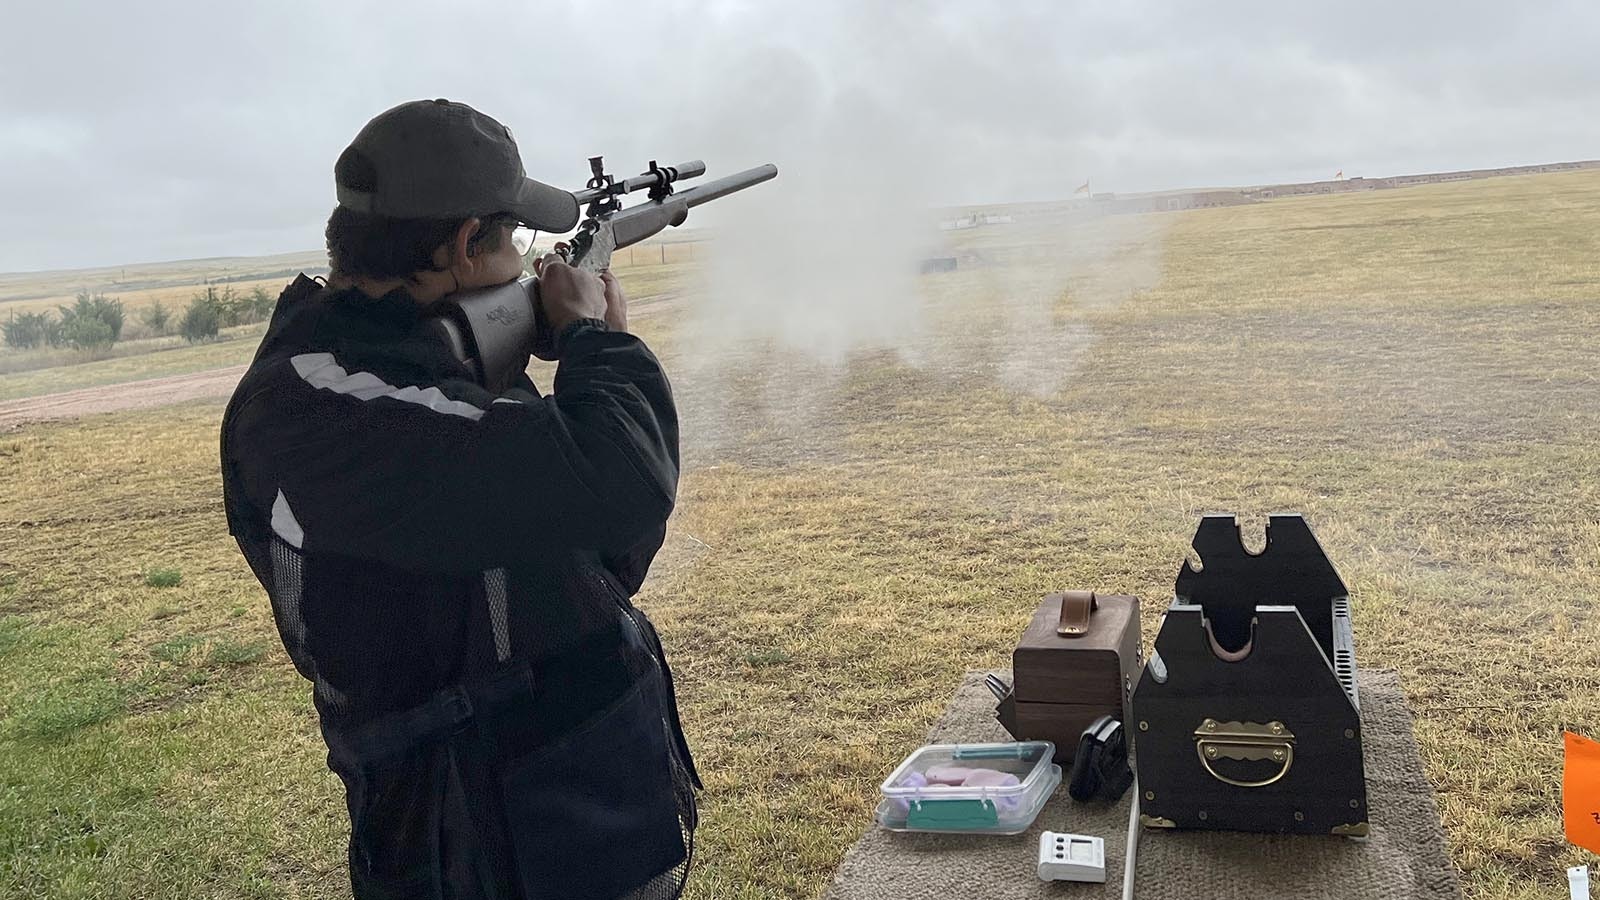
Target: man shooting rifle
x,y
450,565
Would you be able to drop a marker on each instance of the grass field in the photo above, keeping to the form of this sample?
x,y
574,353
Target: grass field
x,y
146,282
651,271
1411,369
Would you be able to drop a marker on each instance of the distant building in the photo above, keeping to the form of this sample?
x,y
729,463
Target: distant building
x,y
973,220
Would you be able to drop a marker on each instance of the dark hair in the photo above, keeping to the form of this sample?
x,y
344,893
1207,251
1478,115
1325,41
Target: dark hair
x,y
361,245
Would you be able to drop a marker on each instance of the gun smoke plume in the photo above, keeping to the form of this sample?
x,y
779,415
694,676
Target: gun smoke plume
x,y
874,147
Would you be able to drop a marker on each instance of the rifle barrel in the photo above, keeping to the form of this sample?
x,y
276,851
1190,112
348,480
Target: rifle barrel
x,y
635,223
722,187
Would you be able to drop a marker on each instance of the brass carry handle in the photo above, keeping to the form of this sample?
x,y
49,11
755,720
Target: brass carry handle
x,y
1282,752
1271,741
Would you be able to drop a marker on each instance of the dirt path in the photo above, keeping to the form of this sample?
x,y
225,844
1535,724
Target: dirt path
x,y
115,397
178,388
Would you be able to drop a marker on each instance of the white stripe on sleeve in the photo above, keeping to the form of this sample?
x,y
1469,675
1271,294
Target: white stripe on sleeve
x,y
285,525
322,371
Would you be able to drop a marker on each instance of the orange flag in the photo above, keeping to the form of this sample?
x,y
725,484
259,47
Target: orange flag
x,y
1082,188
1580,792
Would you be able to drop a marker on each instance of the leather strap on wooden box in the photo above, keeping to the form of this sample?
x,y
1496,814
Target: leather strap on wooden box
x,y
1077,608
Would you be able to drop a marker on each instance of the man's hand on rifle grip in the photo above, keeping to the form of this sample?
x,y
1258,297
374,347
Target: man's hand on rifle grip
x,y
569,294
616,302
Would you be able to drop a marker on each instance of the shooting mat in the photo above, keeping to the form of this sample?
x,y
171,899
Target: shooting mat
x,y
1404,858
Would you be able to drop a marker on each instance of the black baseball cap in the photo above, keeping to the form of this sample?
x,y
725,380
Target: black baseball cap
x,y
437,159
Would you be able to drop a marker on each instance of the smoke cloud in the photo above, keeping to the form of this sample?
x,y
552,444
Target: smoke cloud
x,y
822,266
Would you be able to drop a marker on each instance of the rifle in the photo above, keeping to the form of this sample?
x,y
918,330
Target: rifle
x,y
493,330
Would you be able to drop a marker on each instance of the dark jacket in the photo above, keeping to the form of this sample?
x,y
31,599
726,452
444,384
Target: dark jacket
x,y
451,570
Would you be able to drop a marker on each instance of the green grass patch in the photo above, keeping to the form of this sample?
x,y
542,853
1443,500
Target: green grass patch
x,y
67,706
761,659
163,578
10,633
229,653
181,648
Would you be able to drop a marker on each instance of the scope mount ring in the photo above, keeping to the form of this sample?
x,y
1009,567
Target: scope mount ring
x,y
607,187
665,176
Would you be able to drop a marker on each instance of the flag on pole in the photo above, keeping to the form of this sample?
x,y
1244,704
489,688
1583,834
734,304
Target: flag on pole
x,y
1338,175
1580,792
1082,188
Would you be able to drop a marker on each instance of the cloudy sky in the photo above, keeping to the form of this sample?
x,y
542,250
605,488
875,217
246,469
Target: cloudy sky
x,y
132,132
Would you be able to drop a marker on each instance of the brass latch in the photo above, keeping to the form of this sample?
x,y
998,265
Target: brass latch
x,y
1246,741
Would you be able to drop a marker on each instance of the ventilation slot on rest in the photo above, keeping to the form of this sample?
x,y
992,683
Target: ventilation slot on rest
x,y
1344,649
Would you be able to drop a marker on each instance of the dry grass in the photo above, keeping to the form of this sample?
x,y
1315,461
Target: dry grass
x,y
46,370
146,282
134,361
173,297
1411,369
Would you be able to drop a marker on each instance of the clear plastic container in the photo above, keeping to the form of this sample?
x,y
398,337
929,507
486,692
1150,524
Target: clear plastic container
x,y
910,803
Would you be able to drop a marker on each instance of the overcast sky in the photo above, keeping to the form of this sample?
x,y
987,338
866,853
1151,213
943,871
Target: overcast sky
x,y
142,131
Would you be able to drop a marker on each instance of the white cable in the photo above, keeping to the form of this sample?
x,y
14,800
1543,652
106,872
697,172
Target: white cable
x,y
1132,849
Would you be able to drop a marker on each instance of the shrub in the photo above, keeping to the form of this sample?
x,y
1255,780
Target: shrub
x,y
87,333
156,317
202,319
31,329
261,304
94,322
231,306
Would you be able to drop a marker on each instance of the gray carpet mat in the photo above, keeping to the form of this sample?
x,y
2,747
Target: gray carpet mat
x,y
1405,856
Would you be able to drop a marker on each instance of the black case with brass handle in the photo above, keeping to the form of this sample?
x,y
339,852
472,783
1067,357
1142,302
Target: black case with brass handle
x,y
1271,743
1247,717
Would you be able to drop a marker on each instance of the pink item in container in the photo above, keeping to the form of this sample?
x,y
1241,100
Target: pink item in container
x,y
950,775
990,778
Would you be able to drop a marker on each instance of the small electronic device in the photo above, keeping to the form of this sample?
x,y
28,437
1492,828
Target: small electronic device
x,y
1072,857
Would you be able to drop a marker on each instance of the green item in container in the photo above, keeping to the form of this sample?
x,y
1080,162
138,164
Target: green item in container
x,y
952,815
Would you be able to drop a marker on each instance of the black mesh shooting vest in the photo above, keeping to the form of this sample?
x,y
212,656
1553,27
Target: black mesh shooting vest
x,y
511,733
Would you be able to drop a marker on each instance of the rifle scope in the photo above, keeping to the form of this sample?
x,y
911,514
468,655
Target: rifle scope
x,y
659,176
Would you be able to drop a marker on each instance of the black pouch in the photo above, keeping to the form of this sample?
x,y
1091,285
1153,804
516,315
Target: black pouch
x,y
1100,766
394,853
594,814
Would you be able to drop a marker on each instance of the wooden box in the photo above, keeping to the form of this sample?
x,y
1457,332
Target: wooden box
x,y
1063,682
